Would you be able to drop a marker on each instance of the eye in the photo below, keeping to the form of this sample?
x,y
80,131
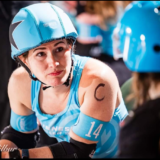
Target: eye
x,y
59,49
40,54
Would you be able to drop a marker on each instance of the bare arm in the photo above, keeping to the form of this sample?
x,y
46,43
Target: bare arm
x,y
19,97
102,93
42,152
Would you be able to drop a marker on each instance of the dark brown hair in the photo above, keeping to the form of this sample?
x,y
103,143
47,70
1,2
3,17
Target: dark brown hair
x,y
140,86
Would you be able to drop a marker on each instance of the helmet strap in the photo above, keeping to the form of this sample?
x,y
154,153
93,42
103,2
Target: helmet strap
x,y
27,69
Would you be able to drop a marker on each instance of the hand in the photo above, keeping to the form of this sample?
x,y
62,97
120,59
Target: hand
x,y
5,155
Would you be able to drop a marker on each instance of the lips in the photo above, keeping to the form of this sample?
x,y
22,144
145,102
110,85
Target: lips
x,y
55,73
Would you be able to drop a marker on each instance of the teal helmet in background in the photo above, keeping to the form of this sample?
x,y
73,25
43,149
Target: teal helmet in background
x,y
137,37
37,24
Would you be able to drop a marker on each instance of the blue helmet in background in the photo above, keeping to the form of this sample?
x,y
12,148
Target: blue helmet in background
x,y
37,24
137,37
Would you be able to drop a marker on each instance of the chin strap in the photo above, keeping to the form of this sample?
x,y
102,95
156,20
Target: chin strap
x,y
36,79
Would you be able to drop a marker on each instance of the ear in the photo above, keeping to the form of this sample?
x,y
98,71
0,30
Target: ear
x,y
24,60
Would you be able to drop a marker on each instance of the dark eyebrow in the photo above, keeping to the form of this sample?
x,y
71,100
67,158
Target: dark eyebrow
x,y
39,48
59,43
45,48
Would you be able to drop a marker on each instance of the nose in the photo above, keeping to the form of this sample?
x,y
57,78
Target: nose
x,y
52,61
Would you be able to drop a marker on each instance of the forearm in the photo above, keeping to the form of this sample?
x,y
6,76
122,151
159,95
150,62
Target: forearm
x,y
72,149
6,145
42,152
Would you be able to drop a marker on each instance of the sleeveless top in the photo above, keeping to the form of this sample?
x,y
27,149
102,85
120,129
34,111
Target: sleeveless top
x,y
59,125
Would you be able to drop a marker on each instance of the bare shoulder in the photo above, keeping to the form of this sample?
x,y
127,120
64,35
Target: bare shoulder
x,y
19,89
19,80
95,70
100,90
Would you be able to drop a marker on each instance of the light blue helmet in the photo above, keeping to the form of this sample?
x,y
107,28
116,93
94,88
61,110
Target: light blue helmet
x,y
137,37
37,24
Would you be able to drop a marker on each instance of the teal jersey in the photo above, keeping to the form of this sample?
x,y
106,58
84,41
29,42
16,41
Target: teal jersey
x,y
59,125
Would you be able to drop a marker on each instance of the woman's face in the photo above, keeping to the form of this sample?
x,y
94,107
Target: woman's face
x,y
50,62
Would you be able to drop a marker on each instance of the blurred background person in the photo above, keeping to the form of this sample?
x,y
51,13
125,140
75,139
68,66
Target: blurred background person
x,y
136,38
